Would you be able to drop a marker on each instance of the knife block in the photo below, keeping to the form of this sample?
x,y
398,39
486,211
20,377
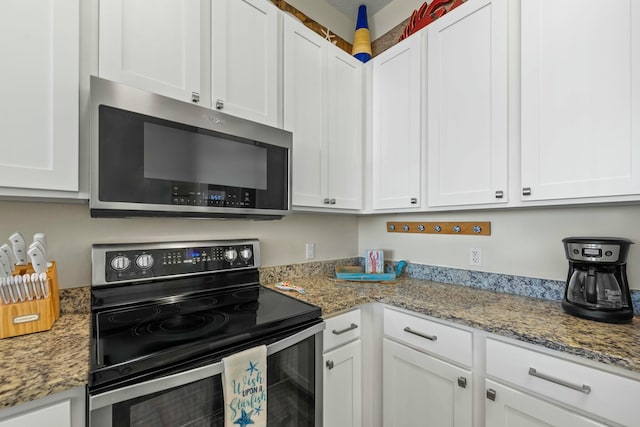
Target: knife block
x,y
26,317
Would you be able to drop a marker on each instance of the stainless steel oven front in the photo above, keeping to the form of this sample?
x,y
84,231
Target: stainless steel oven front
x,y
194,397
166,315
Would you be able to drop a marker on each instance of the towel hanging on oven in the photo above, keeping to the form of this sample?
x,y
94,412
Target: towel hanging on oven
x,y
244,382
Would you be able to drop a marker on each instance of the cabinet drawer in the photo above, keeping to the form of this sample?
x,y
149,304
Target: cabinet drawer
x,y
342,329
601,393
443,340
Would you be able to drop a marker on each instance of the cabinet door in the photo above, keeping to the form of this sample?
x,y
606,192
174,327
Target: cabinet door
x,y
580,98
396,138
244,43
152,46
419,389
467,105
342,382
344,145
305,101
39,107
58,415
512,408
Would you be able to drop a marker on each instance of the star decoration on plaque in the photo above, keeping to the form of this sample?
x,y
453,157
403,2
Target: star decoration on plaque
x,y
252,368
244,420
258,409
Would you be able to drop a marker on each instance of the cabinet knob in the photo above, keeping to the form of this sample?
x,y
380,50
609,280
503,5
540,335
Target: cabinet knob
x,y
329,364
499,194
332,201
414,200
195,97
462,382
491,394
526,191
326,201
219,104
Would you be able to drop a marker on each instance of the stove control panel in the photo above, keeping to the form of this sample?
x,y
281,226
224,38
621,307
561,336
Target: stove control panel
x,y
113,263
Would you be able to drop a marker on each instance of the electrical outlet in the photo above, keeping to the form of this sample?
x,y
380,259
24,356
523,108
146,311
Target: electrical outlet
x,y
311,250
475,257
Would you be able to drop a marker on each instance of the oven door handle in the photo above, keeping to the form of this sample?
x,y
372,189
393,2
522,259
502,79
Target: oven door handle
x,y
181,378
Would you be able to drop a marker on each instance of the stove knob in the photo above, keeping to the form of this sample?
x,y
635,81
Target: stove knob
x,y
120,263
230,255
245,254
144,261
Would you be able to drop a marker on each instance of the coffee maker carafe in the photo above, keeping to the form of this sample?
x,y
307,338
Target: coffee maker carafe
x,y
597,286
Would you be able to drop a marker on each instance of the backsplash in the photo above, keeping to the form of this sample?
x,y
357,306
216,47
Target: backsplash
x,y
517,285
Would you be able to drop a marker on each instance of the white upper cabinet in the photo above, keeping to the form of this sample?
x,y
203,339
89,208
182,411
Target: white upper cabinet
x,y
244,59
305,101
323,108
343,147
580,98
153,46
397,124
39,106
467,119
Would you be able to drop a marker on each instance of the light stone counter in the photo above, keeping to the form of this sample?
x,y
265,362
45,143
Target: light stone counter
x,y
37,365
530,320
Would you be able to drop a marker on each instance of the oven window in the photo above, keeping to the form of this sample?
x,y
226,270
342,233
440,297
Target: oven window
x,y
290,397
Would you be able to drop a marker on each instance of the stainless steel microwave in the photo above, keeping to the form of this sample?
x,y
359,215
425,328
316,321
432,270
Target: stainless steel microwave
x,y
156,156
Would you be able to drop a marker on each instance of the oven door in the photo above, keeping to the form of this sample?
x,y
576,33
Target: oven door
x,y
195,398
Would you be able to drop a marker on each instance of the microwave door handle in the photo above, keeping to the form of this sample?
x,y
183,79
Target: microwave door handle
x,y
181,378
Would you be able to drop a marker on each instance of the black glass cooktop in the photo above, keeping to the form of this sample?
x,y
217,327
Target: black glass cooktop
x,y
163,332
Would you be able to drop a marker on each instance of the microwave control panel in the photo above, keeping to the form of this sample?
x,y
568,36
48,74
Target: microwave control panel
x,y
212,195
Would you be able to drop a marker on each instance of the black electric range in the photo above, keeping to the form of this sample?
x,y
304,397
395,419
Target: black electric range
x,y
163,308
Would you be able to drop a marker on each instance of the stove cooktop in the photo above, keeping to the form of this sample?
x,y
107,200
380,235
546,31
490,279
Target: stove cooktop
x,y
131,341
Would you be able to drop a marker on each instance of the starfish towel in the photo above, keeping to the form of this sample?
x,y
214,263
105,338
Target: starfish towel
x,y
244,384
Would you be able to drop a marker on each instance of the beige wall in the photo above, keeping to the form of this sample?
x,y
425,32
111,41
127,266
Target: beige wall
x,y
526,242
325,14
71,231
344,26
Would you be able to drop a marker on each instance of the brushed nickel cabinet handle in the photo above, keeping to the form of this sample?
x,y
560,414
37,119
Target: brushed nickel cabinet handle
x,y
420,334
526,191
581,388
329,364
491,394
345,330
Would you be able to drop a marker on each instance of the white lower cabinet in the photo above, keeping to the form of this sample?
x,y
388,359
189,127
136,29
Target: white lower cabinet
x,y
419,389
342,371
553,391
342,381
419,384
507,407
65,409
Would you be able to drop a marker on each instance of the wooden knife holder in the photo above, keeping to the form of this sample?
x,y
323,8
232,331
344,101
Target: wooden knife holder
x,y
29,316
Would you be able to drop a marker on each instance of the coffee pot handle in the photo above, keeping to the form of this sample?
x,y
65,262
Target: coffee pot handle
x,y
590,289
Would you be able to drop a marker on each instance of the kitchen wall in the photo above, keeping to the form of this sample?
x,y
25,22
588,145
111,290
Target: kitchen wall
x,y
71,232
344,26
523,242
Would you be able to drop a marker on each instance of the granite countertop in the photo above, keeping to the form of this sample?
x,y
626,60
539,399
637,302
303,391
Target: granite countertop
x,y
37,365
530,320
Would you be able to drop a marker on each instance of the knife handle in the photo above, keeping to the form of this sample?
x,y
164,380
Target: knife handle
x,y
19,249
38,262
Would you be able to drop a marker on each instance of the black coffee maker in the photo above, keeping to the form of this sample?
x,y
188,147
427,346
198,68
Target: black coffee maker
x,y
597,286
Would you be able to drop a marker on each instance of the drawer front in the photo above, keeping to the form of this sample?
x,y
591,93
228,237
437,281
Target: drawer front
x,y
601,393
341,329
442,340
